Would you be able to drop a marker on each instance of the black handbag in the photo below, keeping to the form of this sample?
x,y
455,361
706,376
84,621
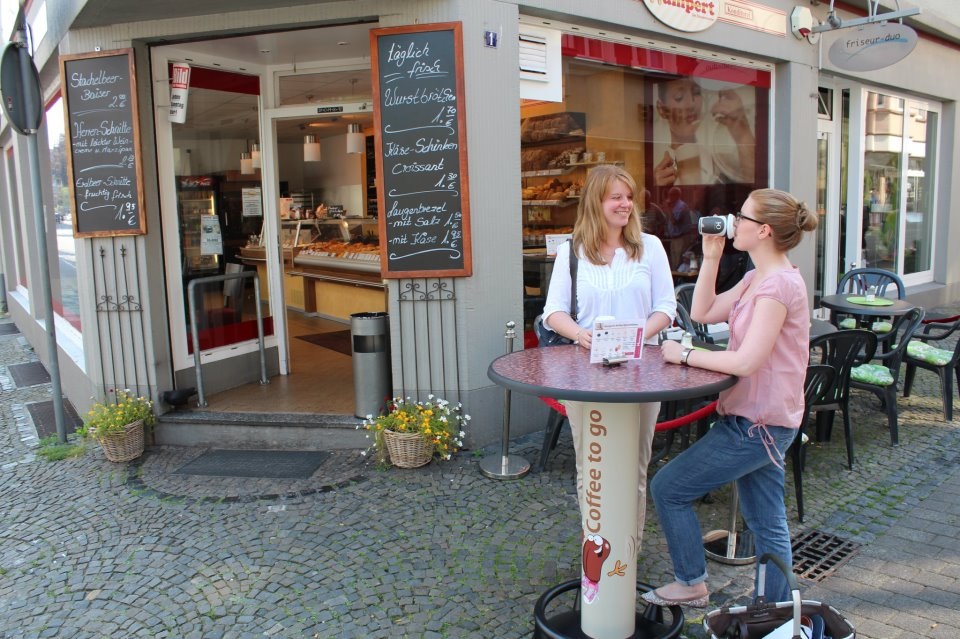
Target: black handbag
x,y
547,337
760,618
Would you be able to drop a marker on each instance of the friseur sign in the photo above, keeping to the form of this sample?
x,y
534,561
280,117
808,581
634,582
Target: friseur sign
x,y
872,47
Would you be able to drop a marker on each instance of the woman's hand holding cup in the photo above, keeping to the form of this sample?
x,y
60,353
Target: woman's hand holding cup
x,y
713,246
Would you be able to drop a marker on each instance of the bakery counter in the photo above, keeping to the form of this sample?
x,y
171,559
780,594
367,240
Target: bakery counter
x,y
331,285
352,262
258,254
338,287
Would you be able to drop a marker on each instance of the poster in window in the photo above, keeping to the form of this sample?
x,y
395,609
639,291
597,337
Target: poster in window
x,y
252,202
703,132
211,239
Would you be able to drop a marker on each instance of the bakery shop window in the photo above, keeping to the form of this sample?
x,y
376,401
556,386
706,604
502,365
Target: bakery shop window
x,y
692,132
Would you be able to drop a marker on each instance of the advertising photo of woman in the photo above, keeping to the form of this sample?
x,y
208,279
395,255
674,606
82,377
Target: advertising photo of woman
x,y
703,132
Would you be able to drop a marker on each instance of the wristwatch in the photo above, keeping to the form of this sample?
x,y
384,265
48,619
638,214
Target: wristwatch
x,y
684,355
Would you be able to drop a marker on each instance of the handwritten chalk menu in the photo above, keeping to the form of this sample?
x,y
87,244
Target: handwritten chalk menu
x,y
421,151
103,143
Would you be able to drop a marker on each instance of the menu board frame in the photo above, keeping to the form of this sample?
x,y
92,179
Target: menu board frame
x,y
73,115
392,265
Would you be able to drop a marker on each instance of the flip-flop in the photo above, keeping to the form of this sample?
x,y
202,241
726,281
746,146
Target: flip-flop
x,y
693,602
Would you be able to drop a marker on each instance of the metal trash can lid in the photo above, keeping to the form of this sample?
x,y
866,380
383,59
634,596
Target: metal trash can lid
x,y
367,315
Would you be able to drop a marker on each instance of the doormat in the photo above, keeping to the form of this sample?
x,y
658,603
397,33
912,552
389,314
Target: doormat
x,y
8,329
335,340
816,554
45,420
29,374
272,464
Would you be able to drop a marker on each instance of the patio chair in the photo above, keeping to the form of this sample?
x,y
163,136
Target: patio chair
x,y
881,378
857,281
842,350
684,294
818,382
920,354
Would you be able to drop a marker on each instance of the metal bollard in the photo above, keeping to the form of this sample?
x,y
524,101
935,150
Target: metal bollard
x,y
505,465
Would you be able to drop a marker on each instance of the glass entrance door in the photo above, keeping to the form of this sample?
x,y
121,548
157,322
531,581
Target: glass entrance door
x,y
828,201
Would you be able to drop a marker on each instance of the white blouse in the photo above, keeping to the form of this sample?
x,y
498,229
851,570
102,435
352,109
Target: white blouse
x,y
625,289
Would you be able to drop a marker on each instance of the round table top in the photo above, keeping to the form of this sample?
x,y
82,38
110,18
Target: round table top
x,y
565,372
839,303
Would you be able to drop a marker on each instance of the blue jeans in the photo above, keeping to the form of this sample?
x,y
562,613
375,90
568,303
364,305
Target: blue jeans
x,y
726,453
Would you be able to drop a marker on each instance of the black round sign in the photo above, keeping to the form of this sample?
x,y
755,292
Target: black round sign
x,y
20,89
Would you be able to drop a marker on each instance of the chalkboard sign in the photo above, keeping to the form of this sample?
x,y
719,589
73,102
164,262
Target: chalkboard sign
x,y
103,143
421,151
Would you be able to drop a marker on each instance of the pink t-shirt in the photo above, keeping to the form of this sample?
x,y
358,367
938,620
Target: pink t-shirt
x,y
774,394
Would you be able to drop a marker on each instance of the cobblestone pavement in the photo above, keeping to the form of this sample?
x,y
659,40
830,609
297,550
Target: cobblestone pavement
x,y
91,549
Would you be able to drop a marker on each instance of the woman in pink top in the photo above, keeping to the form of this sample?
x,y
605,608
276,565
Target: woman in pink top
x,y
769,320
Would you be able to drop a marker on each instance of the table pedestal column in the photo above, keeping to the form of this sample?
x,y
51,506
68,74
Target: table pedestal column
x,y
610,472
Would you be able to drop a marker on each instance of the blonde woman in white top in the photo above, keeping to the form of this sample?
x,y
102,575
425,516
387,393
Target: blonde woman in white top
x,y
622,273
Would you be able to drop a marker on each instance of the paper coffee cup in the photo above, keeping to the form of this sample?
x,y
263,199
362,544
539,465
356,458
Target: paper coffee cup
x,y
688,163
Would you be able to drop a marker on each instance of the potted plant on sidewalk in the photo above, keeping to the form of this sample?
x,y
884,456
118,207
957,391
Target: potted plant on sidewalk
x,y
412,433
119,425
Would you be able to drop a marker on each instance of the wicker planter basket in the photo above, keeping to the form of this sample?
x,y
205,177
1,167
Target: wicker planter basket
x,y
408,450
122,447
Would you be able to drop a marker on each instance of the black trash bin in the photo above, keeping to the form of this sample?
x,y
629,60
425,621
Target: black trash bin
x,y
370,340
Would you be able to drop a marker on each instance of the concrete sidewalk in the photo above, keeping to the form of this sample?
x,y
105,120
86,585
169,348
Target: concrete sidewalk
x,y
94,549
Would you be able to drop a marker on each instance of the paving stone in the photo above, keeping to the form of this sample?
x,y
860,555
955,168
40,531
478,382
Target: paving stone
x,y
136,550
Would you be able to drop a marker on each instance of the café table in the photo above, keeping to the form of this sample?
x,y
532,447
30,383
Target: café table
x,y
862,309
611,397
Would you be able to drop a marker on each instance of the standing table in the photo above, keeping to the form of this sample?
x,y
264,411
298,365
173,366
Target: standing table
x,y
611,397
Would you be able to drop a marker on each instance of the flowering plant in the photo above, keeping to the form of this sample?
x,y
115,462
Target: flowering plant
x,y
105,418
435,419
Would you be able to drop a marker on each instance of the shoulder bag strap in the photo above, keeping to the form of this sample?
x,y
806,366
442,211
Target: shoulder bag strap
x,y
573,281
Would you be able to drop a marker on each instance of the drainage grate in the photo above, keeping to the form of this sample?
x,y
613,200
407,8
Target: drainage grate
x,y
817,554
29,374
45,419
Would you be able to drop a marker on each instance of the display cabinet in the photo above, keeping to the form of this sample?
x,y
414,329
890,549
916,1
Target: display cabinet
x,y
196,199
340,269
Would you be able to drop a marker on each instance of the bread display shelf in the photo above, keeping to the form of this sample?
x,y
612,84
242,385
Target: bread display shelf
x,y
545,172
565,202
575,165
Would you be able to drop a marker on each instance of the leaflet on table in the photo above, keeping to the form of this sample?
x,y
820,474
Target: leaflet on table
x,y
616,339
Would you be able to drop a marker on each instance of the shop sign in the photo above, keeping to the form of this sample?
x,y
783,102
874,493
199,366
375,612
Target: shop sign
x,y
685,15
753,15
872,47
179,87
